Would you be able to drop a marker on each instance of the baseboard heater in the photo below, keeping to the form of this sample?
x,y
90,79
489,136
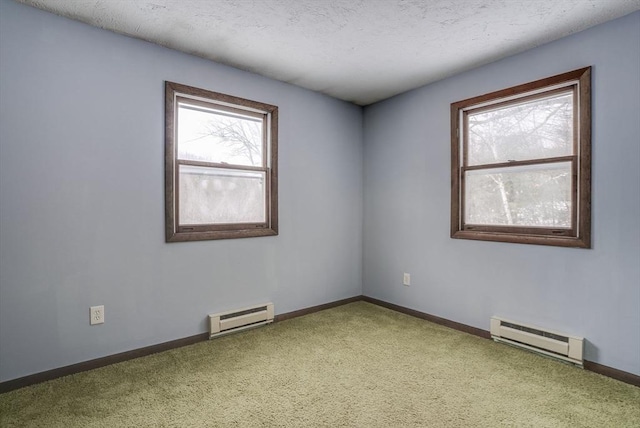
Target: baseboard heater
x,y
240,319
550,343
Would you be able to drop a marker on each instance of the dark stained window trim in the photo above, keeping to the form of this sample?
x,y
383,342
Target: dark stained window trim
x,y
235,105
580,234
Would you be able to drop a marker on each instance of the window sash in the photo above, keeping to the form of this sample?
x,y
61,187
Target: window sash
x,y
229,111
196,227
535,230
518,101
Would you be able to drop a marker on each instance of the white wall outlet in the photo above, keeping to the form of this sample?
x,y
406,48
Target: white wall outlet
x,y
406,279
97,314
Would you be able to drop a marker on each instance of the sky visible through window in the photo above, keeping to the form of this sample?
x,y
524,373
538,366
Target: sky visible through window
x,y
219,138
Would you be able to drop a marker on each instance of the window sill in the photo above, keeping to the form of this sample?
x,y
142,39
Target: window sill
x,y
219,234
558,241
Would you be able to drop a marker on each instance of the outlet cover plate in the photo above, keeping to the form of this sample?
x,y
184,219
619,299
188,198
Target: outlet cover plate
x,y
97,315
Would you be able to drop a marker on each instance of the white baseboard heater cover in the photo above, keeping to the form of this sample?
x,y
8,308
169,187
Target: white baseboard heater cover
x,y
550,343
240,319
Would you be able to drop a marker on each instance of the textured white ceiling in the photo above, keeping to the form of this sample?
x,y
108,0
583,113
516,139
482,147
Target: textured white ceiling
x,y
357,50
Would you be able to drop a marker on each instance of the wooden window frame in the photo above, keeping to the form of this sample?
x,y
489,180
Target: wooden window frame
x,y
579,234
174,231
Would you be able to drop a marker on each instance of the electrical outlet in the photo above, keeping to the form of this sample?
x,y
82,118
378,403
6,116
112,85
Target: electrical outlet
x,y
406,279
97,315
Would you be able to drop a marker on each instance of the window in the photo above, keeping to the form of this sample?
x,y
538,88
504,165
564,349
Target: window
x,y
220,166
521,163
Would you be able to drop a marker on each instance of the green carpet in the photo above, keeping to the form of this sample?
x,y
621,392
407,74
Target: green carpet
x,y
357,365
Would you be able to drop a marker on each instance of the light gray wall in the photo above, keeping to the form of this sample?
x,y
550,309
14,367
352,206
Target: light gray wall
x,y
82,198
593,293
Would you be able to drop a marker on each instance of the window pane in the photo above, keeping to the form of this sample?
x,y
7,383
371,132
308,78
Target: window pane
x,y
534,195
215,136
532,130
218,195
